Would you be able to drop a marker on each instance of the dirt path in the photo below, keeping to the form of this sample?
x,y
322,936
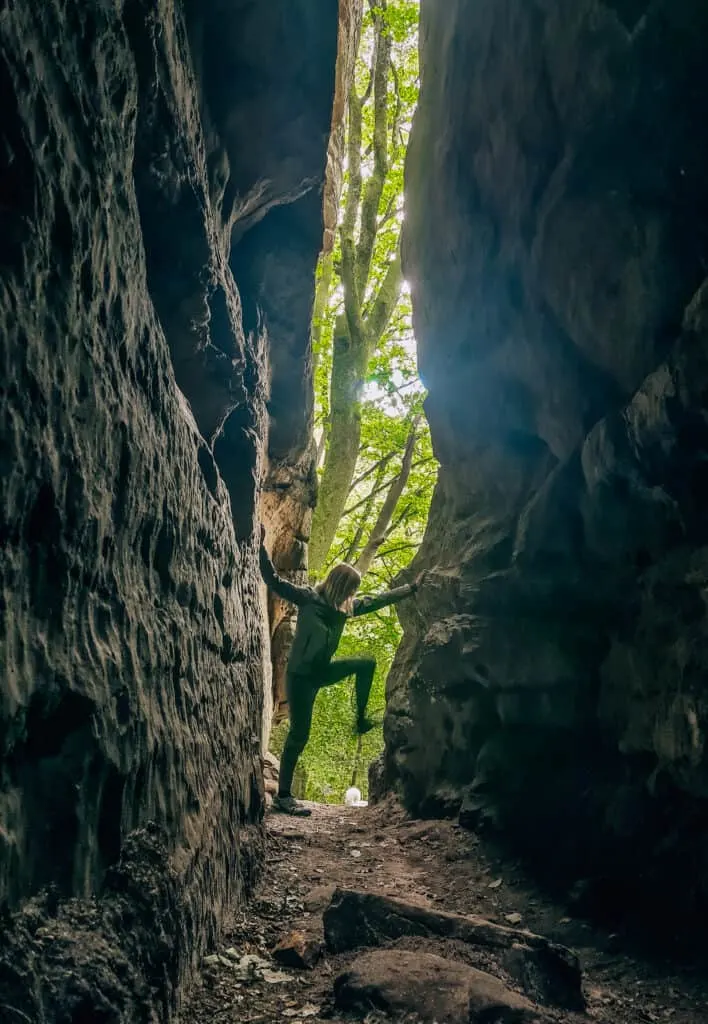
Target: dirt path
x,y
380,851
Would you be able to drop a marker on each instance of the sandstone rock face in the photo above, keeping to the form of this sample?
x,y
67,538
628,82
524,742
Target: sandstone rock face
x,y
160,219
556,246
436,990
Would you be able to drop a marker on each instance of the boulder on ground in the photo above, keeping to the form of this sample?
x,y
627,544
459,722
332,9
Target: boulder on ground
x,y
435,989
358,919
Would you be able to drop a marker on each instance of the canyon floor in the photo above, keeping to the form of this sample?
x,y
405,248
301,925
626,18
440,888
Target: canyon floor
x,y
443,867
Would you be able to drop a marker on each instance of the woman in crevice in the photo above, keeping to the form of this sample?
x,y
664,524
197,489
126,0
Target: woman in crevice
x,y
323,613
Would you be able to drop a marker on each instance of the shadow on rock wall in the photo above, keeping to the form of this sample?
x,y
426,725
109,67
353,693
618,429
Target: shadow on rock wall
x,y
160,176
556,243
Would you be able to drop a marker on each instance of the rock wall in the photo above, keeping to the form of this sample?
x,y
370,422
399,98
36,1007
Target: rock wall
x,y
556,242
160,219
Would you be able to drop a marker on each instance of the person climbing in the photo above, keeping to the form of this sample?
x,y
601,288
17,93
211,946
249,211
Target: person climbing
x,y
323,613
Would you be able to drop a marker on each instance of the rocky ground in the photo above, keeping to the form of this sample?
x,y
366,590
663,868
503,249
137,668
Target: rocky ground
x,y
428,923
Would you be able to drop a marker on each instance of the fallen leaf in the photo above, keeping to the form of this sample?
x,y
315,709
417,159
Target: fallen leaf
x,y
305,1011
274,977
296,949
495,884
249,968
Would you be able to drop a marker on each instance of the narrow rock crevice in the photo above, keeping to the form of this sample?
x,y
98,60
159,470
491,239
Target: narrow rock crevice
x,y
169,176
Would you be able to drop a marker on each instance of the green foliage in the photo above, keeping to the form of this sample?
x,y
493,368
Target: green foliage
x,y
390,405
401,16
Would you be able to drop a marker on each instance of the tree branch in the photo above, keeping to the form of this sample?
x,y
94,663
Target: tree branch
x,y
399,106
364,518
378,534
392,210
384,485
384,461
375,185
377,490
406,545
385,302
352,302
319,310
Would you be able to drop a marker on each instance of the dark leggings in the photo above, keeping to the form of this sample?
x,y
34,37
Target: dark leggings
x,y
302,691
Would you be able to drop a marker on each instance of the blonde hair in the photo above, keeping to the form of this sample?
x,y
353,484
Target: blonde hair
x,y
339,587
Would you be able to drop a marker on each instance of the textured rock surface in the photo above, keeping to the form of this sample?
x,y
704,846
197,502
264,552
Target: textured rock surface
x,y
160,177
556,242
548,970
434,989
119,957
274,112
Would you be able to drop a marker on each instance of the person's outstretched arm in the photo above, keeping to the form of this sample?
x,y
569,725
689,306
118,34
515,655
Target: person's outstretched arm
x,y
283,588
364,605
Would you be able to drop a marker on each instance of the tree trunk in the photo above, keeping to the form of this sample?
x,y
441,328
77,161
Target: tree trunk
x,y
319,309
378,534
348,370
